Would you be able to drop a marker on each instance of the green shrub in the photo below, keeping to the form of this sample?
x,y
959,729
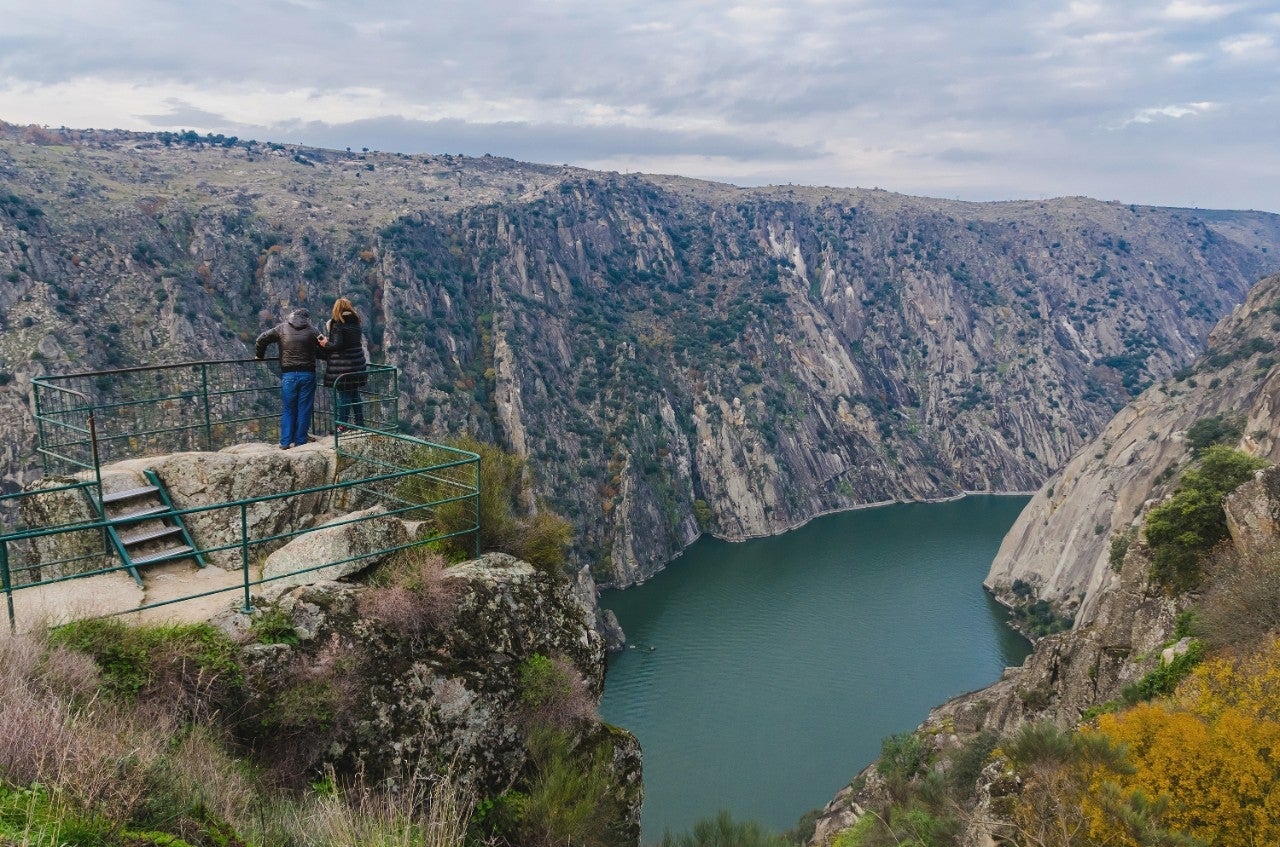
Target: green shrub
x,y
1190,522
967,764
857,835
541,539
570,799
902,757
1161,681
724,831
1040,743
1120,547
1039,618
702,513
1218,429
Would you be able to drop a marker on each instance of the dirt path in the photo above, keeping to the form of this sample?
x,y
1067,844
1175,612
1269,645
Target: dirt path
x,y
49,605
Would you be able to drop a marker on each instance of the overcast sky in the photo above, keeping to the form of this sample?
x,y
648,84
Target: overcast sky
x,y
1170,102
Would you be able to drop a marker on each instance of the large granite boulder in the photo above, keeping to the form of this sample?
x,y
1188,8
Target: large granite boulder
x,y
1253,513
241,472
352,542
67,552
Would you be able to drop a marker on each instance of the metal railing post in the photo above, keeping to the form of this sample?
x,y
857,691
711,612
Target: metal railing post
x,y
8,583
244,556
395,400
97,480
40,434
477,501
204,392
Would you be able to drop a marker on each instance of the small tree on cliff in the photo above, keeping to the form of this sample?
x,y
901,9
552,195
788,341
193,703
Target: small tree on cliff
x,y
539,536
1183,528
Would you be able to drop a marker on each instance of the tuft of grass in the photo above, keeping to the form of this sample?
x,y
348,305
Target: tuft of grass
x,y
724,831
135,657
538,536
411,593
274,626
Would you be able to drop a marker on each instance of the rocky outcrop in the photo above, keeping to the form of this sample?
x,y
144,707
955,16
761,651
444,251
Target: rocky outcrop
x,y
398,687
1253,513
1060,543
196,480
59,503
673,356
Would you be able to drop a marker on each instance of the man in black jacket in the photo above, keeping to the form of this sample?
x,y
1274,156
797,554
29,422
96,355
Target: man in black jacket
x,y
300,343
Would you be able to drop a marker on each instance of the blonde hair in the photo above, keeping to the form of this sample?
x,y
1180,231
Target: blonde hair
x,y
342,306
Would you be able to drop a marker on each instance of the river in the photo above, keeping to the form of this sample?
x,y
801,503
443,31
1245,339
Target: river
x,y
761,676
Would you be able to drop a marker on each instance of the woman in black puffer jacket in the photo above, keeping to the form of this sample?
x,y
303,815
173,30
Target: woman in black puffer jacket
x,y
345,362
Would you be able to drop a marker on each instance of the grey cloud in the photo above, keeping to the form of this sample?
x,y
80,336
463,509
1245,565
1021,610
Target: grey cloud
x,y
781,84
961,156
184,114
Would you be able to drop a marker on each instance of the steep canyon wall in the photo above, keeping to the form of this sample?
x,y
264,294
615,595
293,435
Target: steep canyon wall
x,y
673,356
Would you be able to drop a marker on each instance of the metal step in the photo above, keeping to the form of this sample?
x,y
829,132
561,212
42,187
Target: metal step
x,y
162,555
149,535
150,511
117,496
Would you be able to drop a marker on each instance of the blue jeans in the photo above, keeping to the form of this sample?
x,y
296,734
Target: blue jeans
x,y
297,396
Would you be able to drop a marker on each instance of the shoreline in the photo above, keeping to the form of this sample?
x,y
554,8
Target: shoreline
x,y
879,504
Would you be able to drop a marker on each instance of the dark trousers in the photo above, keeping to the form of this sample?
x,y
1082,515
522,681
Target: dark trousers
x,y
349,401
297,398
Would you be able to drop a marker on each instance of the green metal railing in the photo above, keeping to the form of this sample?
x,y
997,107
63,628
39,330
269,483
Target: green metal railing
x,y
51,534
85,419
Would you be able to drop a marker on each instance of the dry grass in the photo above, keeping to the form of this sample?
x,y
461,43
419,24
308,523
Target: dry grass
x,y
1241,604
414,595
553,694
421,812
53,732
123,766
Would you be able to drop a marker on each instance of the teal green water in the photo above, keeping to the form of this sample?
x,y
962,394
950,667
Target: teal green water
x,y
764,674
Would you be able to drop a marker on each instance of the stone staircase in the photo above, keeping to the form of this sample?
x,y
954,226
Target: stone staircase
x,y
145,528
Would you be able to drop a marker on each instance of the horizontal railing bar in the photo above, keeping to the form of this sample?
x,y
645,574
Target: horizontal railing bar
x,y
248,501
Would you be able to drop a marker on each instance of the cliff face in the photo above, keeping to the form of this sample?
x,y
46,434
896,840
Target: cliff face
x,y
673,356
1060,546
1060,543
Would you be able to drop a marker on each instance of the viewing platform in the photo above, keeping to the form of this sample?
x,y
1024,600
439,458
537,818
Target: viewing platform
x,y
165,496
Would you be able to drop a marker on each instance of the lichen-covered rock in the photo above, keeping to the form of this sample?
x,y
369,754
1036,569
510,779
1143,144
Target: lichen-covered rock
x,y
389,694
1253,513
63,553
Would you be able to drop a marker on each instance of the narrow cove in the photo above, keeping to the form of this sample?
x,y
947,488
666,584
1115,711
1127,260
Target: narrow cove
x,y
761,676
